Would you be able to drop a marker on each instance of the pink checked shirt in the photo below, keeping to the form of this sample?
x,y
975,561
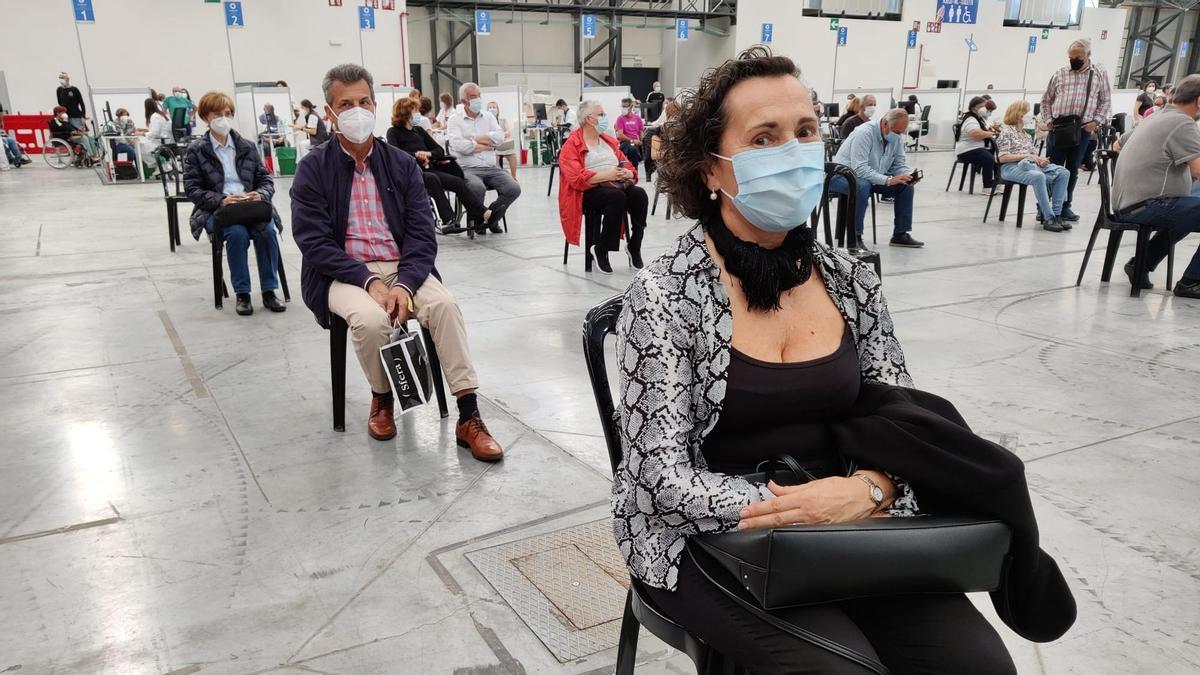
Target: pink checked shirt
x,y
368,238
1065,95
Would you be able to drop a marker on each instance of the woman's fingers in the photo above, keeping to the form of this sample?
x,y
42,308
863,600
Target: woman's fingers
x,y
780,519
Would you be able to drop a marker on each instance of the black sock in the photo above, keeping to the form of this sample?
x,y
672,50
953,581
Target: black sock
x,y
468,407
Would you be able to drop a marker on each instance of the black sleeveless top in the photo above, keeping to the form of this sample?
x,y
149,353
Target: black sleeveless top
x,y
776,408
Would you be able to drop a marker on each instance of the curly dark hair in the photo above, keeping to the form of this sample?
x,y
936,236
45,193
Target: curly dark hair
x,y
689,139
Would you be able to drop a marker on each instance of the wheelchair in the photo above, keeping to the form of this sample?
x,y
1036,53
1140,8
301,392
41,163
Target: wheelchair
x,y
60,154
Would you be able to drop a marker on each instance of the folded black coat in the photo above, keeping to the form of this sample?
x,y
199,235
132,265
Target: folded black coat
x,y
952,470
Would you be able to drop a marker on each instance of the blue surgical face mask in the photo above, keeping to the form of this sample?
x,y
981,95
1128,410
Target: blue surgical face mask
x,y
476,105
778,187
602,124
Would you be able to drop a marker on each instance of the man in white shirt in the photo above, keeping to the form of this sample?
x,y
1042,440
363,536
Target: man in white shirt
x,y
569,117
474,134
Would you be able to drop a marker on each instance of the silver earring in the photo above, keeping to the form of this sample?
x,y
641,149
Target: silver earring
x,y
712,196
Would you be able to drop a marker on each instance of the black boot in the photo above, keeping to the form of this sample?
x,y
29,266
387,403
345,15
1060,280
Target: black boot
x,y
272,303
602,259
244,308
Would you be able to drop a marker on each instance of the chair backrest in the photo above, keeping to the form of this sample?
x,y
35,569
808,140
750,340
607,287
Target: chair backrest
x,y
957,131
834,169
600,322
163,158
1106,162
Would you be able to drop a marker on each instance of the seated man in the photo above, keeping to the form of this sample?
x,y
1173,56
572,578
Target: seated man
x,y
474,134
1153,182
629,132
361,218
875,152
864,115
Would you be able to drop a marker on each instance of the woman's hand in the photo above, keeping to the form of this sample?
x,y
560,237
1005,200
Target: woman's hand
x,y
820,502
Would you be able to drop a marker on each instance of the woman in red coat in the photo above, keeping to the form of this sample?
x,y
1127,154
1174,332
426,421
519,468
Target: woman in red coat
x,y
596,176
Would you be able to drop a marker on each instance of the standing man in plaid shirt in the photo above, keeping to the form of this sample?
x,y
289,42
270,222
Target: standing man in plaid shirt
x,y
1081,89
361,217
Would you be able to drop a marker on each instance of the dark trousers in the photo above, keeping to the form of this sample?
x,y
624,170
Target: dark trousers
x,y
438,183
985,161
1180,216
266,253
1070,159
901,210
632,152
613,204
910,634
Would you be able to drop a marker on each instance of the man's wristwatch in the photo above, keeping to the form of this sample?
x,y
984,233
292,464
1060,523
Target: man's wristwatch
x,y
876,491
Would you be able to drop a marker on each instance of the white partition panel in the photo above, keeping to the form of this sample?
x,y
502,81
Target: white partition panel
x,y
132,99
943,113
385,96
245,117
1002,97
1123,100
509,101
610,98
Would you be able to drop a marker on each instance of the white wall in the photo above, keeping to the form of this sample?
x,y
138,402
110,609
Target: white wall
x,y
162,43
697,54
876,50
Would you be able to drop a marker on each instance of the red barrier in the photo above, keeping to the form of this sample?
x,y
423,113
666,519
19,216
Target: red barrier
x,y
31,131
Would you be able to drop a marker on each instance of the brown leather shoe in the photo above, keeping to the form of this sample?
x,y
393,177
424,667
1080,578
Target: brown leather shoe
x,y
382,423
473,434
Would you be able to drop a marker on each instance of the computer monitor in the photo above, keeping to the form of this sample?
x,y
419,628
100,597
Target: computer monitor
x,y
832,110
910,107
539,112
1037,109
947,84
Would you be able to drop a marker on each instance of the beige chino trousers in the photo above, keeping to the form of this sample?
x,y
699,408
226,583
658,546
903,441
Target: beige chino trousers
x,y
370,327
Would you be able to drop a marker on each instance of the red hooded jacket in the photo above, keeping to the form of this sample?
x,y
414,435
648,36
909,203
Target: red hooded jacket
x,y
575,180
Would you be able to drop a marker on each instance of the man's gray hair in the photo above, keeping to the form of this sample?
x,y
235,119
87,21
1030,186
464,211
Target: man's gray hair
x,y
1187,90
462,91
587,108
893,116
347,73
1085,43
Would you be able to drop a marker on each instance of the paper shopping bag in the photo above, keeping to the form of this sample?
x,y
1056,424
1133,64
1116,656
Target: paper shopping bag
x,y
407,367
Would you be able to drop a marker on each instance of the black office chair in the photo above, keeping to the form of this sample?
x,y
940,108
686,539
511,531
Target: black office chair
x,y
920,132
639,609
164,156
337,370
180,128
1108,219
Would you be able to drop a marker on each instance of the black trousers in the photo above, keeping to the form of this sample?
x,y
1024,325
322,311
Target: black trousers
x,y
613,204
982,158
1070,159
632,152
438,183
910,634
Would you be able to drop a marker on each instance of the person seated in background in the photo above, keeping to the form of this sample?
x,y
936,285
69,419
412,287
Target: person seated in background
x,y
309,125
597,176
569,117
12,149
629,132
426,111
1160,102
440,173
417,118
446,109
158,132
1145,100
474,135
652,139
124,126
875,153
853,106
62,129
272,129
865,112
1020,163
373,264
655,101
970,148
223,170
1153,182
507,149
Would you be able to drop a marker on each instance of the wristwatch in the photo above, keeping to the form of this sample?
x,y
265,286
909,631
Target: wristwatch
x,y
876,491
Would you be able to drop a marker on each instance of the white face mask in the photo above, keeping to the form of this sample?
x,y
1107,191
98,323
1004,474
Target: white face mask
x,y
221,125
63,117
356,124
123,118
657,88
869,111
63,81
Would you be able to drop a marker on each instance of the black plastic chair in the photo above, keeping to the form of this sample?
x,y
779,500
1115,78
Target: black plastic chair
x,y
845,213
337,370
639,609
967,167
1108,219
164,156
554,137
591,232
654,205
217,240
1007,194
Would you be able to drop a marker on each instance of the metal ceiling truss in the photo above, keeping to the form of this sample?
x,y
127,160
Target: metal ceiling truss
x,y
446,64
1165,17
701,10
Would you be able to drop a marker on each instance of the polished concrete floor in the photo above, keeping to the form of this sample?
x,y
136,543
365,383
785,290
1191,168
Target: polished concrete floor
x,y
173,499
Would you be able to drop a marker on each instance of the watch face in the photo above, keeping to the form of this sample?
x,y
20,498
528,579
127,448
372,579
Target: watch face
x,y
877,494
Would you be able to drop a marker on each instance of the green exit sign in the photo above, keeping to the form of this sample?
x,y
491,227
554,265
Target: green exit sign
x,y
833,24
1045,33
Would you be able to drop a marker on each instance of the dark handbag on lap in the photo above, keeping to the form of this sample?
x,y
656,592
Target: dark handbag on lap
x,y
800,565
255,214
1067,131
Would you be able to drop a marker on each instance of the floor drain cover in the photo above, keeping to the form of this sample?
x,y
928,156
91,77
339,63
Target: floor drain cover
x,y
568,586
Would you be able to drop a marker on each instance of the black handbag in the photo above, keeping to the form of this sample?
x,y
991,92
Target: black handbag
x,y
800,565
256,213
1067,131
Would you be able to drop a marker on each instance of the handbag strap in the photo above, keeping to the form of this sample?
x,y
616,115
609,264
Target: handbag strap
x,y
1087,94
792,629
790,464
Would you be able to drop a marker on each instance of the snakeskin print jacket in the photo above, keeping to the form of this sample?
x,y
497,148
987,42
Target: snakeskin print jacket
x,y
673,347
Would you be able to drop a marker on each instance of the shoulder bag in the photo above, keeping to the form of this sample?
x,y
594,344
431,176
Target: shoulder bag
x,y
1067,131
